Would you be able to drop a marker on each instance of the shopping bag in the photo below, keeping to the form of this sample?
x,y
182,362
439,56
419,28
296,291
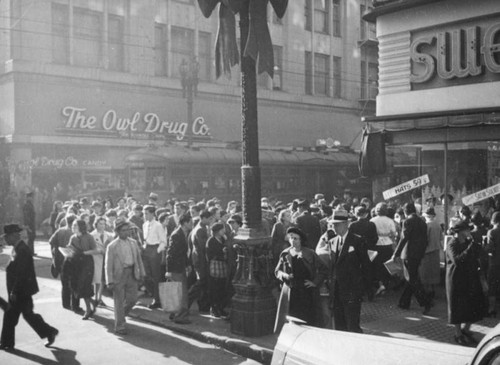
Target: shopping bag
x,y
170,295
394,267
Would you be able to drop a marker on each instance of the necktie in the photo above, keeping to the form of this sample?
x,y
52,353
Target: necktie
x,y
102,238
340,244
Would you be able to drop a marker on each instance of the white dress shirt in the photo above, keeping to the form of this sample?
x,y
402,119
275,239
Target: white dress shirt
x,y
154,233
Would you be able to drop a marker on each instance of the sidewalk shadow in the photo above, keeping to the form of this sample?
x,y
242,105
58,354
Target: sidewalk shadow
x,y
64,356
35,358
175,346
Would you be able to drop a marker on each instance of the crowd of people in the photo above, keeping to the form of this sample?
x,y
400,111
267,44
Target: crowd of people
x,y
328,256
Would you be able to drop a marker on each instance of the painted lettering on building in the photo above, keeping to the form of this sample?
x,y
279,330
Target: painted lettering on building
x,y
148,123
458,53
55,163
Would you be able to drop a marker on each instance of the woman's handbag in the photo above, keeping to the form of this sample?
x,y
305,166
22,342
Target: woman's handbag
x,y
170,295
218,269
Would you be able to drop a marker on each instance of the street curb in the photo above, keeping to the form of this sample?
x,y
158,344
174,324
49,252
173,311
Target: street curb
x,y
239,347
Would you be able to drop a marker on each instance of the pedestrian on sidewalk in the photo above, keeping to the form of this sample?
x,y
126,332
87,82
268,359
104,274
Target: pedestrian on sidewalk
x,y
197,243
301,273
124,271
21,286
61,238
411,248
3,303
29,220
466,300
218,271
178,264
349,272
155,239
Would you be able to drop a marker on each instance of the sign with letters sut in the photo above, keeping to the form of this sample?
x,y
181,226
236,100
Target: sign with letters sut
x,y
407,186
481,195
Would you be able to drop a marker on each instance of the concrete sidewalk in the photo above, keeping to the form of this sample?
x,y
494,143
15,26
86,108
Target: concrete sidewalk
x,y
379,317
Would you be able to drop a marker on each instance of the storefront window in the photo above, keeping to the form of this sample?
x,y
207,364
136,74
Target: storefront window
x,y
463,168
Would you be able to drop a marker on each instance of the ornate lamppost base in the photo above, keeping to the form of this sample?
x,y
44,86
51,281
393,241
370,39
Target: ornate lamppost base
x,y
253,308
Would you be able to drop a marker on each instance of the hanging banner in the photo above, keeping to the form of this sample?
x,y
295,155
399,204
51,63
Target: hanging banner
x,y
481,195
405,187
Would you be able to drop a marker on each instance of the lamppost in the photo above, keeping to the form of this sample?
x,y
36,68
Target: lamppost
x,y
253,306
189,82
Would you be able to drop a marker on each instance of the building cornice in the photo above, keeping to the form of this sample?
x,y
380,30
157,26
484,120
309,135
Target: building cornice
x,y
392,6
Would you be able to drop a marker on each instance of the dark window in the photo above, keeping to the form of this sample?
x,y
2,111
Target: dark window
x,y
182,47
115,42
336,18
60,33
160,50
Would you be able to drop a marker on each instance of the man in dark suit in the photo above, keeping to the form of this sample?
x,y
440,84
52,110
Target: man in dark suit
x,y
308,223
21,286
368,231
349,266
197,244
29,220
178,264
411,249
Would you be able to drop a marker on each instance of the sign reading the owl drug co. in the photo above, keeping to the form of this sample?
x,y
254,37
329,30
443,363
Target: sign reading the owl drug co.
x,y
481,195
405,187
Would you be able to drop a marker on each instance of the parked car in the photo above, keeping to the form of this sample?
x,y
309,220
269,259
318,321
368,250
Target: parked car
x,y
299,344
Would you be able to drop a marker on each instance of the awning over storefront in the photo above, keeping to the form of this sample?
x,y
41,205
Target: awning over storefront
x,y
176,154
438,127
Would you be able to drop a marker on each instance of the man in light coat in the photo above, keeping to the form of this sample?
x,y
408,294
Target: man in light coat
x,y
124,270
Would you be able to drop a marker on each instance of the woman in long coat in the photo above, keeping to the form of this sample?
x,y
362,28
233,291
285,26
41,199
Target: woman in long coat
x,y
493,250
466,300
300,269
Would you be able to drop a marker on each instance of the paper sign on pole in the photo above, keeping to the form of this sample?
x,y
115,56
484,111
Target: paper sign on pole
x,y
407,186
481,195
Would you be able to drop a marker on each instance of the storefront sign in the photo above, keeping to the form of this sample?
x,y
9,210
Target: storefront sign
x,y
148,123
57,163
481,195
456,53
405,187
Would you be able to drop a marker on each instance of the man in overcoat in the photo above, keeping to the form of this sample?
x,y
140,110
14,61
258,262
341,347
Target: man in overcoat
x,y
349,268
124,271
411,249
21,286
308,223
178,264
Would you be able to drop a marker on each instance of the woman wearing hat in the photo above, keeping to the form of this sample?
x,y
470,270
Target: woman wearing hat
x,y
301,271
493,251
466,301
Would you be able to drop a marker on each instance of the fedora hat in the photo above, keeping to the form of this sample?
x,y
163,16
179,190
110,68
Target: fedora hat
x,y
11,228
339,216
120,223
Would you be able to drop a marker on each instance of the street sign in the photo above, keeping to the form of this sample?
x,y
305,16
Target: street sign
x,y
407,186
481,195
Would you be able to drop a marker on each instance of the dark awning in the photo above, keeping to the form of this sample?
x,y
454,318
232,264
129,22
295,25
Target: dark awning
x,y
435,127
202,155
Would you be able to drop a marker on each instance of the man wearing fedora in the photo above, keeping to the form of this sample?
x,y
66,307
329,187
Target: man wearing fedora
x,y
124,271
349,268
21,286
